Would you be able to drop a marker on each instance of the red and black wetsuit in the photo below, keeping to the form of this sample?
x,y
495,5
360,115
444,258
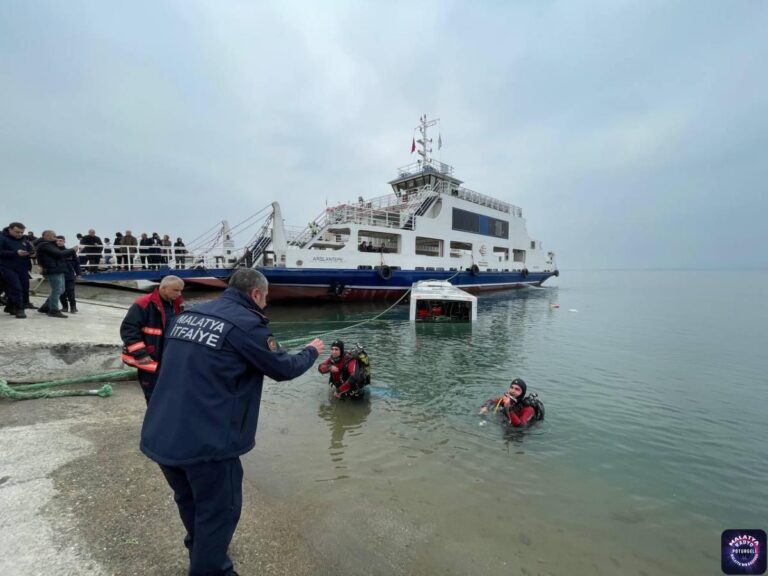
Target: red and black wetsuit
x,y
518,413
345,380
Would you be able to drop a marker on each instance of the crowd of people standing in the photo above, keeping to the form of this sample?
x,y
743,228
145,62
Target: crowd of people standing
x,y
59,265
21,250
126,252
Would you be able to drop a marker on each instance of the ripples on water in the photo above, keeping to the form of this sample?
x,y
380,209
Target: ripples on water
x,y
656,411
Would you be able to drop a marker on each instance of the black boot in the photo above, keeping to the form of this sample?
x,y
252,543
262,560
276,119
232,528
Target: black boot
x,y
64,308
20,313
44,309
57,314
73,309
29,306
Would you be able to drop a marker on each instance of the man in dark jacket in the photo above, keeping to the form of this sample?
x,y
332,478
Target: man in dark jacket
x,y
68,302
143,328
53,261
67,299
180,253
145,245
129,243
15,264
205,408
92,251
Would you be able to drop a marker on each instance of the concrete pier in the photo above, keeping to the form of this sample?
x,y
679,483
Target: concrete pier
x,y
41,348
77,497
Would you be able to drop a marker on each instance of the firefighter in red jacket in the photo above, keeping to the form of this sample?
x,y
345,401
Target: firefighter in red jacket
x,y
143,326
345,374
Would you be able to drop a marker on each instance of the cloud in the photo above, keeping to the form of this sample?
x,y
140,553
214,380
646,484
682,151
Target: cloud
x,y
620,128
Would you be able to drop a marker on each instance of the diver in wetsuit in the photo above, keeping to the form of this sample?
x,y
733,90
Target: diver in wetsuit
x,y
347,371
517,408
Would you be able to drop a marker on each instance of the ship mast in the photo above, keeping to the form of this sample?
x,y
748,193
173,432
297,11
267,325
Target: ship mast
x,y
425,143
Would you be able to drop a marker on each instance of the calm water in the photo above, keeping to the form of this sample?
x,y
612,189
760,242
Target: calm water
x,y
654,441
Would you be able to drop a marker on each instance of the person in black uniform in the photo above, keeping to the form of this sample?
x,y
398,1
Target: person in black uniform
x,y
15,264
205,409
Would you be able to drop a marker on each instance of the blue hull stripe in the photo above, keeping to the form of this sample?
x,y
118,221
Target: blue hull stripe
x,y
400,280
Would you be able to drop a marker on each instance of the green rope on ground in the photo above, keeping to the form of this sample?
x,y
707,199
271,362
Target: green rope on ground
x,y
42,389
103,377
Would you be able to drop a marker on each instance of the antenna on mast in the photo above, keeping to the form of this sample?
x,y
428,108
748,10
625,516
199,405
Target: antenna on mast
x,y
424,142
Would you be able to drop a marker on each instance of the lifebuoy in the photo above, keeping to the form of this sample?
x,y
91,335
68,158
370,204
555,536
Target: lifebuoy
x,y
385,272
557,273
525,272
474,270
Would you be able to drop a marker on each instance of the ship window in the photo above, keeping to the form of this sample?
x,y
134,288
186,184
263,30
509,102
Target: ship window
x,y
429,246
459,249
365,267
430,268
466,221
419,267
501,253
533,244
518,255
378,241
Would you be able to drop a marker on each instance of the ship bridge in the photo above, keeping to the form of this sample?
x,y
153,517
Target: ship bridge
x,y
429,172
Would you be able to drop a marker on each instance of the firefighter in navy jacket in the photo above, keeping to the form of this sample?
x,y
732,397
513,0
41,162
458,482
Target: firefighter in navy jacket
x,y
143,327
205,409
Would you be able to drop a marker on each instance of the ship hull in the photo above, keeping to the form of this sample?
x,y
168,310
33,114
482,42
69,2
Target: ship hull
x,y
339,285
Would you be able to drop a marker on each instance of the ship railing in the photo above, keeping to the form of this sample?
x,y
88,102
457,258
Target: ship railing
x,y
258,244
415,200
130,258
428,165
489,201
388,211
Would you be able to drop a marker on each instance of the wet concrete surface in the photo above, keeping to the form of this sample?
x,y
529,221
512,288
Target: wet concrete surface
x,y
77,497
39,347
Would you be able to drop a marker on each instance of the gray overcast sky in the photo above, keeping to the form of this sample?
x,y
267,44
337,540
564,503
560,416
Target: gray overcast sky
x,y
632,133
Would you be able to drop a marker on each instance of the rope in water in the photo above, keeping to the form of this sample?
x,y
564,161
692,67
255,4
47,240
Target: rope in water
x,y
293,341
42,389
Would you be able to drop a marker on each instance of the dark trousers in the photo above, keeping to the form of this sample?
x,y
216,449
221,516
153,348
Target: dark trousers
x,y
147,381
209,497
16,286
68,298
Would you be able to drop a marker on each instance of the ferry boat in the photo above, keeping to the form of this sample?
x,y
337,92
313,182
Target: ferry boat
x,y
430,227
